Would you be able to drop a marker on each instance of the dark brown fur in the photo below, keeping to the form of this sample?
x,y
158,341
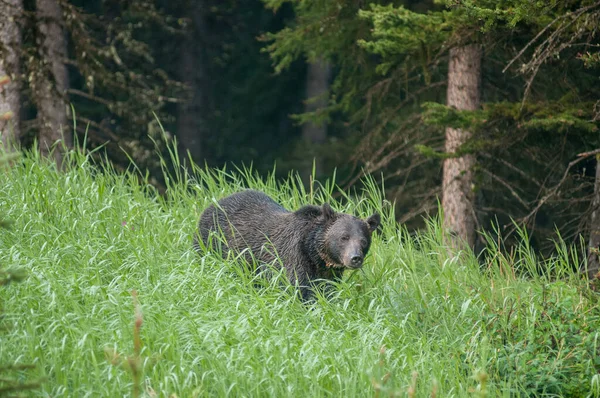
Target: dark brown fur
x,y
313,243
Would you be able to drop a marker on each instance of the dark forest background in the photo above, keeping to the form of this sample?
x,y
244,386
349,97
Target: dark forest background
x,y
348,87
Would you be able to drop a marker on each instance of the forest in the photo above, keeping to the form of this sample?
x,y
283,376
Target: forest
x,y
472,127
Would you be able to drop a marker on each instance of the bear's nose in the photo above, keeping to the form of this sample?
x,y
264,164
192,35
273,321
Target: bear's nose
x,y
356,260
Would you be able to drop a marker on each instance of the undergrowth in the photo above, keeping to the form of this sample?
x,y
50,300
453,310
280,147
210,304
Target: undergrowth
x,y
417,320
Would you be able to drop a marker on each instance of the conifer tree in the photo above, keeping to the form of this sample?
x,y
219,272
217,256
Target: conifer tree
x,y
565,38
315,133
464,76
11,15
50,82
537,105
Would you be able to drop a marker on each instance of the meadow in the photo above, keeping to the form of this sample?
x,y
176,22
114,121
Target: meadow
x,y
418,320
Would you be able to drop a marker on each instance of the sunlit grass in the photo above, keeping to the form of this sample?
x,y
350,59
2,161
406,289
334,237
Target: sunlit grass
x,y
415,319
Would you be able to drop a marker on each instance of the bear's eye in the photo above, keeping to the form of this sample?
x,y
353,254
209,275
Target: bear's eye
x,y
363,242
345,238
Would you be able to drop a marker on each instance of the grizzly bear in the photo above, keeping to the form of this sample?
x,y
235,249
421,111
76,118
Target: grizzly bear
x,y
314,244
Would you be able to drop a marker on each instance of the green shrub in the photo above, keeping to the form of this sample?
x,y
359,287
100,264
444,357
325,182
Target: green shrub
x,y
548,345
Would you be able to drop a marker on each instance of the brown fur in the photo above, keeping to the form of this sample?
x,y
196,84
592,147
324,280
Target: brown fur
x,y
313,243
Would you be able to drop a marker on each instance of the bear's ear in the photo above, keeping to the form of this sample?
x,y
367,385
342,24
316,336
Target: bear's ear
x,y
373,222
328,212
309,211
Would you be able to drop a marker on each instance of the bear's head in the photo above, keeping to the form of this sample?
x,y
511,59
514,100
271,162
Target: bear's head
x,y
346,239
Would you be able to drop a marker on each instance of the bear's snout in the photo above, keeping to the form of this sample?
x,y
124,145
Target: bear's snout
x,y
353,259
356,261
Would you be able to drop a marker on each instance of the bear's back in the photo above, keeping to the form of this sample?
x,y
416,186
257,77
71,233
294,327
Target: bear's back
x,y
246,219
249,201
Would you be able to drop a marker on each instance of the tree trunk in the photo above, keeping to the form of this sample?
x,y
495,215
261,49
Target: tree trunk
x,y
191,114
11,12
317,85
464,76
593,263
52,80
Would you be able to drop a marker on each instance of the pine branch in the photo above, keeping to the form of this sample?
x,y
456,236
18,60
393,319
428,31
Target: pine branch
x,y
512,167
550,45
554,190
505,183
91,97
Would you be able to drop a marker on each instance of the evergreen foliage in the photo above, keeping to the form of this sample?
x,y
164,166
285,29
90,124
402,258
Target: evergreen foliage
x,y
118,86
248,116
540,93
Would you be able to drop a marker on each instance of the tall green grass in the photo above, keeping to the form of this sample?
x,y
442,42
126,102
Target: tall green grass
x,y
416,321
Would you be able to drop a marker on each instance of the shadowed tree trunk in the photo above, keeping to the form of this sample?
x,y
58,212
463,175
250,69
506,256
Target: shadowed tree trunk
x,y
11,12
464,72
52,80
189,120
594,243
190,125
317,85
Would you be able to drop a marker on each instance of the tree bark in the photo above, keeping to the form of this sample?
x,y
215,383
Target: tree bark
x,y
191,114
11,12
464,77
317,85
52,80
593,263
